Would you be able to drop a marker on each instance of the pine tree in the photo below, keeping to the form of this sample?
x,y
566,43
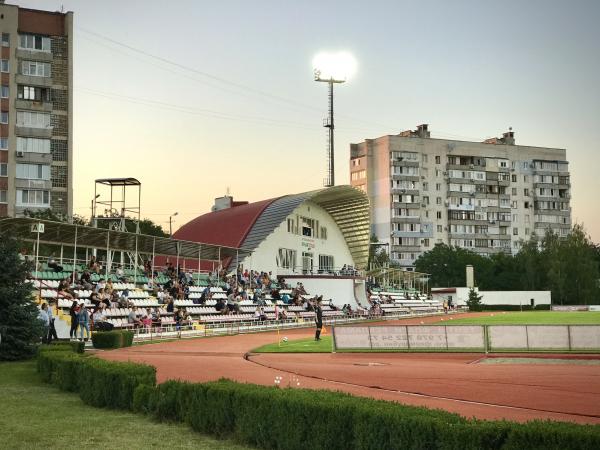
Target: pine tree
x,y
20,327
474,300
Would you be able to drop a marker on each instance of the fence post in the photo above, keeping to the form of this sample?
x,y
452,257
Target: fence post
x,y
486,339
569,335
527,336
370,341
407,338
446,334
333,349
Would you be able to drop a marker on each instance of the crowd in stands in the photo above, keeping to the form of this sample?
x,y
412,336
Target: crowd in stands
x,y
228,293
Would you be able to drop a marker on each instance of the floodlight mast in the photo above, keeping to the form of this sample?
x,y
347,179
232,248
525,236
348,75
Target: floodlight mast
x,y
330,124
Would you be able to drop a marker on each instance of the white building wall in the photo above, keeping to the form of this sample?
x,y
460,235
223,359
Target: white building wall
x,y
265,256
497,297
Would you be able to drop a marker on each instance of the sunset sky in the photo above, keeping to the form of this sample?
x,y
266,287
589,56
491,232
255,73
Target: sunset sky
x,y
195,97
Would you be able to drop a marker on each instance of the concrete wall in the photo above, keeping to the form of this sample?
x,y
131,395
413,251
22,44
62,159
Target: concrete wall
x,y
340,290
516,298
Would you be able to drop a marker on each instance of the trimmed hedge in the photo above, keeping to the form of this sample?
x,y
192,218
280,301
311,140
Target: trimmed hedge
x,y
99,383
112,339
272,418
75,346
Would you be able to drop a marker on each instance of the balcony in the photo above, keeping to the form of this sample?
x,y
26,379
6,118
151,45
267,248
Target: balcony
x,y
462,207
415,234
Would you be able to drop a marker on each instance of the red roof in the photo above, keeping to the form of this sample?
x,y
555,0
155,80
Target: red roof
x,y
228,227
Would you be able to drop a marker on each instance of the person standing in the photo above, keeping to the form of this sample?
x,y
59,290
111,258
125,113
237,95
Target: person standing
x,y
73,312
318,319
83,320
51,330
43,316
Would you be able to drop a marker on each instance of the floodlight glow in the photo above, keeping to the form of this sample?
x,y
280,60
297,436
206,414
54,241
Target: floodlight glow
x,y
337,67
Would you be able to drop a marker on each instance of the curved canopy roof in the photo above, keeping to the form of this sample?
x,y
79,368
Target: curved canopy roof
x,y
248,225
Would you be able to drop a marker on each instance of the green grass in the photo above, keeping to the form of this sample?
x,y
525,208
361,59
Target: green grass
x,y
37,415
530,318
307,345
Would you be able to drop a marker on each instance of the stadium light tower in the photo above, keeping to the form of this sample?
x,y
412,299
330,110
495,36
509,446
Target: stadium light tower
x,y
332,68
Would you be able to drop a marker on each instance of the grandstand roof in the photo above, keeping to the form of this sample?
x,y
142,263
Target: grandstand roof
x,y
248,225
60,233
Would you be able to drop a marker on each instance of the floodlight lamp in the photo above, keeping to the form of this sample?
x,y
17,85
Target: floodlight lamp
x,y
334,67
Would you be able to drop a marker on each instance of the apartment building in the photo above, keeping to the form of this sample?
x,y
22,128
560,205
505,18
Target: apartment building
x,y
482,196
36,121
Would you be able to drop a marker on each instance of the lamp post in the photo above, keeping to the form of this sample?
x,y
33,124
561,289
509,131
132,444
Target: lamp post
x,y
171,223
331,69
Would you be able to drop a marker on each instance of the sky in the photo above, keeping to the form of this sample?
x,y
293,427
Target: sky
x,y
197,98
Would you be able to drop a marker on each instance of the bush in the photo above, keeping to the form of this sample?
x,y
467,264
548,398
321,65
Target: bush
x,y
112,339
99,383
74,346
267,417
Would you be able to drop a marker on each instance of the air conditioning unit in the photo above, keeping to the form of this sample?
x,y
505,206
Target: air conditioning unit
x,y
446,203
20,154
445,173
471,166
512,169
423,205
422,177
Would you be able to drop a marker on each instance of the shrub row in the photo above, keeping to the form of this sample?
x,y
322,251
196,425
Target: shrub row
x,y
112,339
60,346
99,383
272,418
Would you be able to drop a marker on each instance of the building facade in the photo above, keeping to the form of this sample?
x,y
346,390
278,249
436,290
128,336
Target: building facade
x,y
482,196
312,233
36,125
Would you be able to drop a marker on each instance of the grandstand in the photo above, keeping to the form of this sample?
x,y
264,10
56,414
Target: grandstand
x,y
200,293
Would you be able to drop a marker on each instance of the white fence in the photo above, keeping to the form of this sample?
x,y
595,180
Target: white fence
x,y
483,338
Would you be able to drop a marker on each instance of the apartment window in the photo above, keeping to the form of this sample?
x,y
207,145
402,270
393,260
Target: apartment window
x,y
33,171
5,40
527,218
426,200
503,164
424,158
438,200
438,187
4,66
526,205
307,226
427,214
33,119
439,214
3,197
35,69
527,231
4,117
515,231
515,217
36,94
5,91
526,192
513,178
437,160
425,242
425,186
29,197
439,228
438,172
3,170
34,42
33,145
514,191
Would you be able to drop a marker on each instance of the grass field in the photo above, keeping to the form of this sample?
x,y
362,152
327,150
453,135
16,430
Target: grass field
x,y
37,415
530,318
308,345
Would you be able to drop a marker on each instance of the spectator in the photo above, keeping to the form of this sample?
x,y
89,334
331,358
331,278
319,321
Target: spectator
x,y
43,316
83,320
52,264
178,317
51,330
100,323
221,306
93,265
73,311
156,321
132,318
120,273
64,289
170,305
86,281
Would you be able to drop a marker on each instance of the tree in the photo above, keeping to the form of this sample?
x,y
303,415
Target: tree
x,y
20,327
146,226
474,301
378,257
49,214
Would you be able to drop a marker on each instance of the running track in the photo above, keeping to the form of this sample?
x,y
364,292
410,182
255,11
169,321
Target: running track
x,y
454,382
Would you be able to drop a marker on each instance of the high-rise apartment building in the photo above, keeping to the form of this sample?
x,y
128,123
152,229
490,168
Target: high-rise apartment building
x,y
483,196
36,123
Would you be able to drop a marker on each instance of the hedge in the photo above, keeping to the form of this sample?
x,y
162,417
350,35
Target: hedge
x,y
112,339
272,418
75,346
99,383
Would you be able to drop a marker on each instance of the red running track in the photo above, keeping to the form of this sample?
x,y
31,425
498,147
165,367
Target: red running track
x,y
454,382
